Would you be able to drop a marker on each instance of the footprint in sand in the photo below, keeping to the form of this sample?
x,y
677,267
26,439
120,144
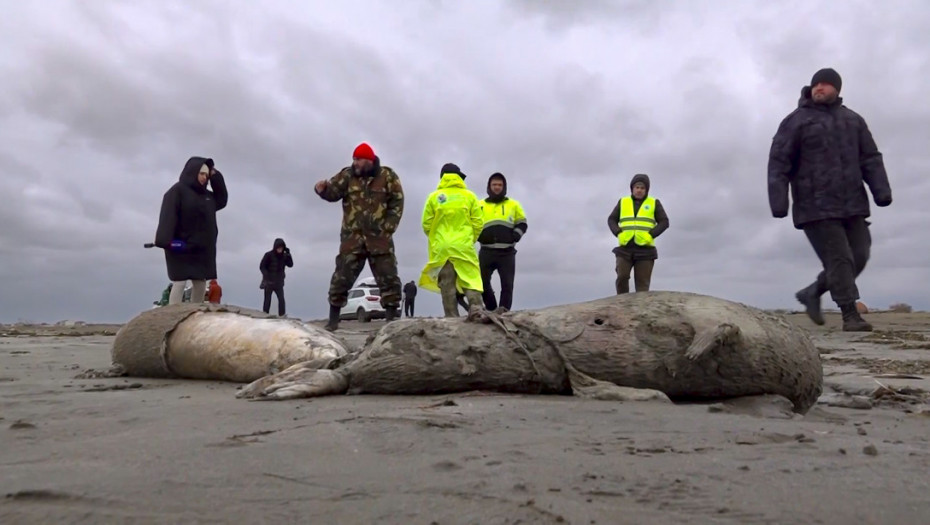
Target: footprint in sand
x,y
447,466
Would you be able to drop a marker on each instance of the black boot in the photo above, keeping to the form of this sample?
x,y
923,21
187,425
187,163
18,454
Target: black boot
x,y
811,301
852,321
333,323
390,314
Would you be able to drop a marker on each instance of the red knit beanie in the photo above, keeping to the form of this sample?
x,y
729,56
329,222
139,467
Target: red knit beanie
x,y
363,151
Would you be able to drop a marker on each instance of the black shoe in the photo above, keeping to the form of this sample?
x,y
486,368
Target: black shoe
x,y
811,302
333,323
852,321
391,314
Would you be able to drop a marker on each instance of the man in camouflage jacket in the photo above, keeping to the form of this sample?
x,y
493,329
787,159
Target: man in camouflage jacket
x,y
372,205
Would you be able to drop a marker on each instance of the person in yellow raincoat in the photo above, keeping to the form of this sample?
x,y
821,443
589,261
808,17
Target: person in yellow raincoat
x,y
452,221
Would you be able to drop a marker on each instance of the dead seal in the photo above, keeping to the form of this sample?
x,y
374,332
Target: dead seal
x,y
221,342
673,345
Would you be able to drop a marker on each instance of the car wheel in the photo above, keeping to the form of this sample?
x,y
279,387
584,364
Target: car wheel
x,y
363,315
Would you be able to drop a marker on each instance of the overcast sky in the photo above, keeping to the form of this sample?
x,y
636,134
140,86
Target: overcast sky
x,y
102,102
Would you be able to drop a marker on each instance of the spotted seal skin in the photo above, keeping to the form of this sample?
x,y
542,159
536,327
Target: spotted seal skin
x,y
652,345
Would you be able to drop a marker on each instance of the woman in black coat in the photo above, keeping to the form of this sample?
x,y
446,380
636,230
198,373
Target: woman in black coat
x,y
187,228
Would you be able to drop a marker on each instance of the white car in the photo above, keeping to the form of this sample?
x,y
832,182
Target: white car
x,y
364,304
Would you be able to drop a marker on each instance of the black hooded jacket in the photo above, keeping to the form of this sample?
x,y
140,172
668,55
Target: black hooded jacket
x,y
188,214
410,290
823,154
273,263
613,222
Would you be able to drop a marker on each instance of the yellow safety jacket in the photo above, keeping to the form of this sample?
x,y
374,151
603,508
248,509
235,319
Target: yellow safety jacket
x,y
636,227
452,222
504,223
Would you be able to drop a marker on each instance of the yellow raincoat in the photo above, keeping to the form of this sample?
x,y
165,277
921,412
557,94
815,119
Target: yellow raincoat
x,y
452,220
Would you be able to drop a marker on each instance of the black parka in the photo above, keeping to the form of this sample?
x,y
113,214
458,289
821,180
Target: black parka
x,y
274,263
823,154
188,213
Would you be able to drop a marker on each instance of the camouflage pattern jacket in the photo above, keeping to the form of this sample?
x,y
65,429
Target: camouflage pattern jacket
x,y
372,206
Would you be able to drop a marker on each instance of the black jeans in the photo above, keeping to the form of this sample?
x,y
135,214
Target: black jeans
x,y
504,262
278,289
843,247
408,306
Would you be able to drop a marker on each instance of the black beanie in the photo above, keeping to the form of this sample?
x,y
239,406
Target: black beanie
x,y
451,168
828,76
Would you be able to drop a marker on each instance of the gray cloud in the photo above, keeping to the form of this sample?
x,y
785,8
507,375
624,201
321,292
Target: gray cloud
x,y
104,101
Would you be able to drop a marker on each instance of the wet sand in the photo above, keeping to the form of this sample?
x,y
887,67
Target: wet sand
x,y
131,450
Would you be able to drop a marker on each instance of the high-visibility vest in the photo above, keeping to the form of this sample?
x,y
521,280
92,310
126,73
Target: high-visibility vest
x,y
636,227
500,219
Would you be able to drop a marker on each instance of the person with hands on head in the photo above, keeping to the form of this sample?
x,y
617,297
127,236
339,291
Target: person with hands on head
x,y
824,155
272,267
187,228
372,206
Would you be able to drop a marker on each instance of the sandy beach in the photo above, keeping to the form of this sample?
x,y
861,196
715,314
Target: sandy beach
x,y
131,450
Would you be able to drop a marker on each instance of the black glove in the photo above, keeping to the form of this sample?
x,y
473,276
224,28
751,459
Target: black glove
x,y
883,201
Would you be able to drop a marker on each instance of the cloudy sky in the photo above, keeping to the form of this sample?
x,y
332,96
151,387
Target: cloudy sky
x,y
102,102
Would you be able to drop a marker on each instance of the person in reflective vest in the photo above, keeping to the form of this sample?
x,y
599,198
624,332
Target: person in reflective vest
x,y
504,226
636,221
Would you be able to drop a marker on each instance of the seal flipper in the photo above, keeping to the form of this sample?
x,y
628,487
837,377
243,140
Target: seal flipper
x,y
588,387
706,340
297,381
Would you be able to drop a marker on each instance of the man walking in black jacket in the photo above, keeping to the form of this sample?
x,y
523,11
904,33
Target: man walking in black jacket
x,y
824,152
272,267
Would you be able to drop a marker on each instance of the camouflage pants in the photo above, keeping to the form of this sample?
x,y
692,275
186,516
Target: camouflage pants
x,y
450,296
350,265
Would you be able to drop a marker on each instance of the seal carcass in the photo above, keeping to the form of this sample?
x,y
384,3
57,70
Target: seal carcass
x,y
682,345
208,341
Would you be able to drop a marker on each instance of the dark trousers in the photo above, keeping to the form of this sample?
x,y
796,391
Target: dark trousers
x,y
843,247
278,289
408,306
504,262
641,270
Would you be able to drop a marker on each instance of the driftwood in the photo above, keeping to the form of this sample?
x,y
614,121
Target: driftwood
x,y
665,345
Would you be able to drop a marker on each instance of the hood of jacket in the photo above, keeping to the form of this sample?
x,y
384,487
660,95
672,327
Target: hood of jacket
x,y
451,180
279,242
503,195
640,177
191,169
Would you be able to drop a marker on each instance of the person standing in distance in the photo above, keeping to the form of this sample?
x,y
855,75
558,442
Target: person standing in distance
x,y
636,221
410,297
272,267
